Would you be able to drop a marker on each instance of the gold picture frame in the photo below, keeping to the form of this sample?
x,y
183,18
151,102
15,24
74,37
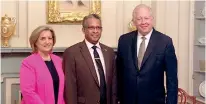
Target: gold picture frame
x,y
55,15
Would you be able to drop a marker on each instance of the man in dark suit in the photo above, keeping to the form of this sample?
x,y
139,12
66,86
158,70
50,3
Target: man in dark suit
x,y
89,68
143,57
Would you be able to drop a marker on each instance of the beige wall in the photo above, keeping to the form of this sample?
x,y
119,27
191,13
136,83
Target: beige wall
x,y
171,18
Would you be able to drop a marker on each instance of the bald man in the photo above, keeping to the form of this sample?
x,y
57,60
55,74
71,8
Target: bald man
x,y
143,57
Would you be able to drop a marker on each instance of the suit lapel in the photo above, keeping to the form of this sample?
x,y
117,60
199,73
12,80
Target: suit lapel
x,y
150,47
88,59
47,75
44,69
134,48
42,64
106,60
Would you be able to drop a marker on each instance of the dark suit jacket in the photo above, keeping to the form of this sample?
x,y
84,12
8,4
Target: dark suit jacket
x,y
146,86
81,86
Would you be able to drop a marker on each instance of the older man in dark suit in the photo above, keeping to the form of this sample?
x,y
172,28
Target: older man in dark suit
x,y
143,57
89,68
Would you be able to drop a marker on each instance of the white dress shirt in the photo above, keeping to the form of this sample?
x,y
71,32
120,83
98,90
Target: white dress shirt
x,y
91,50
139,40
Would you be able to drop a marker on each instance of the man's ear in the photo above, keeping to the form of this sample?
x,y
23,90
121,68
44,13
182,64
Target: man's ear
x,y
132,21
152,17
83,29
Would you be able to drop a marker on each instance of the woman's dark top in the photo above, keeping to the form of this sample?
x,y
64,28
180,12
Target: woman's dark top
x,y
55,78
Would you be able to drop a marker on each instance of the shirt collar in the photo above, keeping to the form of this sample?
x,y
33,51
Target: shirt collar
x,y
90,45
146,36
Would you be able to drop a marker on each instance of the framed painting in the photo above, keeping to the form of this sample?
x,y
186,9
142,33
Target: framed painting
x,y
71,11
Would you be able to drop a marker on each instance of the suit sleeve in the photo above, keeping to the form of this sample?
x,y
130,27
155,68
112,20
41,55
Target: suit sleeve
x,y
171,74
114,81
70,78
28,84
119,69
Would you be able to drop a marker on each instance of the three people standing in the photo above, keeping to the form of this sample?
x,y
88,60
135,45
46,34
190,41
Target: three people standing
x,y
93,75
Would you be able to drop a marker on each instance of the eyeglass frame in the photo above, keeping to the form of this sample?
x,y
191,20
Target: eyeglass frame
x,y
93,28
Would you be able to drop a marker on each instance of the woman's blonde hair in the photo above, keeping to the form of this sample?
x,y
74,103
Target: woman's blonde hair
x,y
36,33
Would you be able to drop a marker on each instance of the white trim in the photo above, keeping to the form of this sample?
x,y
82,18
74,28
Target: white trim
x,y
8,83
191,45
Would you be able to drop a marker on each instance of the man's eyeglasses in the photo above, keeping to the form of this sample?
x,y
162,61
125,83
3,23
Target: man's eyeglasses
x,y
93,28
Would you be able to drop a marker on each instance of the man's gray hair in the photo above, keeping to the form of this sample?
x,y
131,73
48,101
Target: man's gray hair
x,y
84,24
141,6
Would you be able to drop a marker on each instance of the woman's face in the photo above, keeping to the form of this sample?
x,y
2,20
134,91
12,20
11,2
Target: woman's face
x,y
45,42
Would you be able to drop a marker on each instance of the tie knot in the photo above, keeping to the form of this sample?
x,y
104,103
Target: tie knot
x,y
143,38
94,47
